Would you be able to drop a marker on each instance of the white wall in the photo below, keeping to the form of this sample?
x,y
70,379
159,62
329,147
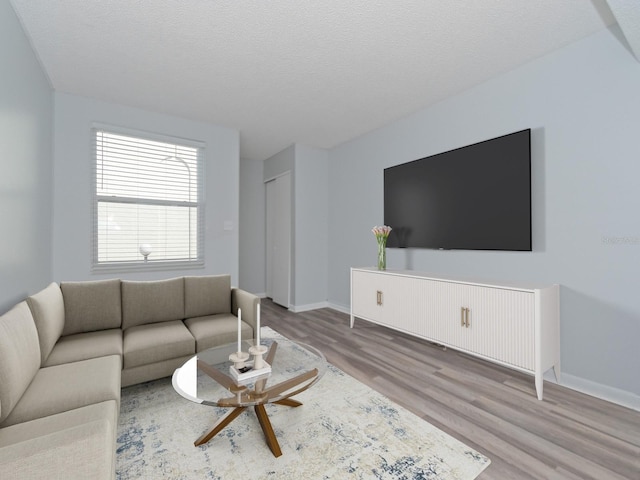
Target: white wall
x,y
279,163
583,104
311,220
73,118
25,165
253,269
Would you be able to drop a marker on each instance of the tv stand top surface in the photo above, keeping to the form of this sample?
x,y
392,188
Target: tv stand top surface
x,y
483,282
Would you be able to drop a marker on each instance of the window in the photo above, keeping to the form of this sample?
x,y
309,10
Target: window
x,y
148,208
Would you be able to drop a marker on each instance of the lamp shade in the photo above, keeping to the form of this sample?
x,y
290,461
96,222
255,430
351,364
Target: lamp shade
x,y
145,249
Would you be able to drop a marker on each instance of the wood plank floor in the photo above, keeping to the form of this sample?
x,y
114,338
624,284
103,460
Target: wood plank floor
x,y
493,409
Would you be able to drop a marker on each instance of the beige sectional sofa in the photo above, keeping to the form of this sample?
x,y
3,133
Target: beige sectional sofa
x,y
66,351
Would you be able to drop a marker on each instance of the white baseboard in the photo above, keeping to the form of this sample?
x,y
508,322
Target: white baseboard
x,y
314,306
309,306
598,390
339,308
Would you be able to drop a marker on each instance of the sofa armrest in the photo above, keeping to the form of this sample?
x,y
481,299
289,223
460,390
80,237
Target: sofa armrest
x,y
80,452
248,303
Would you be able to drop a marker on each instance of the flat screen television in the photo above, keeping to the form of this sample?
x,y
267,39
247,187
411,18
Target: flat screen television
x,y
476,197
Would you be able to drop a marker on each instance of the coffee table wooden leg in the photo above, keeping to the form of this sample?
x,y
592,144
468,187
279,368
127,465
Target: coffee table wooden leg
x,y
265,423
220,424
289,402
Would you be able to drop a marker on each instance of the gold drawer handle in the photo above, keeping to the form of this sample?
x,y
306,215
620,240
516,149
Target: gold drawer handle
x,y
464,317
379,298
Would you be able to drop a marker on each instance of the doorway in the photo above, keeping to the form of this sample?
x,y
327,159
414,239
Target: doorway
x,y
278,242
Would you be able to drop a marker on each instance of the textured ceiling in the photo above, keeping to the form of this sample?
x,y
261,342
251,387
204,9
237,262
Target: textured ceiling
x,y
284,71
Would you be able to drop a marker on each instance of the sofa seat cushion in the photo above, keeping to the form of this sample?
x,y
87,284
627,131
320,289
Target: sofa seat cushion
x,y
25,431
155,342
152,371
61,388
91,306
19,356
145,302
214,330
83,346
77,444
47,307
207,295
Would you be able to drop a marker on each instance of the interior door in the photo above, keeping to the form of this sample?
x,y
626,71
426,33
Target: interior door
x,y
279,239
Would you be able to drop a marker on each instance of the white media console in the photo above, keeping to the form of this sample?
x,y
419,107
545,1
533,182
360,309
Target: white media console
x,y
511,324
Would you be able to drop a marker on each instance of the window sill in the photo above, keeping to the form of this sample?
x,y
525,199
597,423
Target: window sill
x,y
145,267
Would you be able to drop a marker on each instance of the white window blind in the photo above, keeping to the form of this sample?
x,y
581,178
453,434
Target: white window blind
x,y
148,200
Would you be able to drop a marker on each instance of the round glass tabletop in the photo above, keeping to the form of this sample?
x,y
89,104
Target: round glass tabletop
x,y
209,378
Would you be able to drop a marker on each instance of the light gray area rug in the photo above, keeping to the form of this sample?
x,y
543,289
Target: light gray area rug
x,y
343,430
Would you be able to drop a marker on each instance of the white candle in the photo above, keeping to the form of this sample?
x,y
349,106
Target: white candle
x,y
239,330
258,326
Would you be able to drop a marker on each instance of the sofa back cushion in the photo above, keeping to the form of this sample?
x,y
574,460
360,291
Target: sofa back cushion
x,y
207,295
91,306
19,356
47,308
152,301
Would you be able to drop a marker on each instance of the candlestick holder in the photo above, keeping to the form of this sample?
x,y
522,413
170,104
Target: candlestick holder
x,y
257,351
239,360
245,371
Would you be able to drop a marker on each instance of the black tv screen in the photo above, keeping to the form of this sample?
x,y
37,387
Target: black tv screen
x,y
476,197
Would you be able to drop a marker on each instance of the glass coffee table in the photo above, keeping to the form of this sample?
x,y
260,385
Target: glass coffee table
x,y
206,379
